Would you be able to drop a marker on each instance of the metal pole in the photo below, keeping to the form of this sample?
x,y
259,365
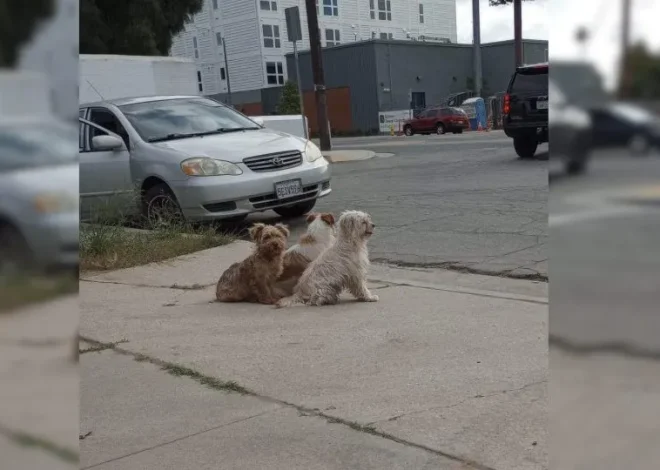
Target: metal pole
x,y
224,53
317,70
300,91
624,85
517,31
476,34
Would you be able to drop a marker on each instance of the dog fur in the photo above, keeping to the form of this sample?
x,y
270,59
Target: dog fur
x,y
319,236
344,265
253,279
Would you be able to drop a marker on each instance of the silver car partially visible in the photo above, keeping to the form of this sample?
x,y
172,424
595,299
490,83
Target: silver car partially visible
x,y
39,205
196,156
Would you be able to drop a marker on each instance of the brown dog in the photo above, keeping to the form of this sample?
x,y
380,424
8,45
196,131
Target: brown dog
x,y
252,279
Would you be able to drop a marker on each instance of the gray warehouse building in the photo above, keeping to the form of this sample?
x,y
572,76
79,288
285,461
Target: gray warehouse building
x,y
366,78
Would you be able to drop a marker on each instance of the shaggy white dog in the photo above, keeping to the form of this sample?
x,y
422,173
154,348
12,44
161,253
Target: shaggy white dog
x,y
342,266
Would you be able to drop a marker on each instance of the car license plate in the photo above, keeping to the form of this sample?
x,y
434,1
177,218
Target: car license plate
x,y
287,189
542,104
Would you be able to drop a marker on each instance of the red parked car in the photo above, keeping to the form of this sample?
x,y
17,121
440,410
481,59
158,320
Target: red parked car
x,y
437,120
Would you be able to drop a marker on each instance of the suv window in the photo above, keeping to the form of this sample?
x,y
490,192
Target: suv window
x,y
530,81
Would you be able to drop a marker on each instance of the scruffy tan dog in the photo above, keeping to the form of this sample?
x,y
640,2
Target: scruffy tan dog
x,y
319,236
253,279
342,266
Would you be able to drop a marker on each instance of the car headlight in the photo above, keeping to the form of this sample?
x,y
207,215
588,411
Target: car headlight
x,y
204,166
55,203
312,152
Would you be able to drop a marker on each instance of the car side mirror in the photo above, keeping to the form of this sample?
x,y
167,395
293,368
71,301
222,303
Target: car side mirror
x,y
106,142
259,121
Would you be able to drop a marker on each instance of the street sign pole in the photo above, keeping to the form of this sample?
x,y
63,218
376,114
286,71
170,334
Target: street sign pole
x,y
294,33
300,92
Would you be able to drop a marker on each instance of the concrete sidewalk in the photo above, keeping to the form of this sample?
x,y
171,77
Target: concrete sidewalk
x,y
39,387
447,371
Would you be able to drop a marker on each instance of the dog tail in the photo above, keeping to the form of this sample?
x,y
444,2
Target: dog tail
x,y
288,301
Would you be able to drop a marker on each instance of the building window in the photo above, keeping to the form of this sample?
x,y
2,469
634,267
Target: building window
x,y
195,47
215,4
373,35
223,76
421,13
372,9
274,73
218,38
332,37
271,36
385,10
199,82
268,5
330,8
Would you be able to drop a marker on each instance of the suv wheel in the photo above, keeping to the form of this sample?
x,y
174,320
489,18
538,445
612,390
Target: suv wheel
x,y
440,128
408,130
15,255
295,211
525,146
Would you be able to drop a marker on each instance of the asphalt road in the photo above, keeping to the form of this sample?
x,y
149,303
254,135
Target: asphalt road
x,y
462,202
605,260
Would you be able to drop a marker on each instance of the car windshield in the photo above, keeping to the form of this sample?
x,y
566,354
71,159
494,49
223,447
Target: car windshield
x,y
36,145
532,80
158,121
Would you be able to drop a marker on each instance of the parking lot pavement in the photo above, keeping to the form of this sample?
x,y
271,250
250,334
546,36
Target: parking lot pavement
x,y
462,202
446,371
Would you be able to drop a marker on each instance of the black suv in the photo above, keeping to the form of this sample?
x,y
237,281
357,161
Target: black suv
x,y
525,108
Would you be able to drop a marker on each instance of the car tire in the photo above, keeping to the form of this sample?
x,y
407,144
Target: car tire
x,y
459,131
160,207
440,129
407,130
525,146
15,254
297,210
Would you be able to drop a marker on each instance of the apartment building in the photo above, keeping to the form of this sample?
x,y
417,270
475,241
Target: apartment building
x,y
253,33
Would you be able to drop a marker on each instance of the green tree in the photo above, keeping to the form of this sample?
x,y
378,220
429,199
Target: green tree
x,y
133,27
641,79
290,99
18,22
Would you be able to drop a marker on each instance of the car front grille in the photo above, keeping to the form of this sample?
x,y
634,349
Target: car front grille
x,y
274,161
270,200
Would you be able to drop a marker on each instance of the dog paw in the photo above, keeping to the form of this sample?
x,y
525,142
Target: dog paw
x,y
372,298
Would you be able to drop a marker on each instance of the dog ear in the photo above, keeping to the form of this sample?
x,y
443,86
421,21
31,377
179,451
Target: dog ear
x,y
283,228
255,231
328,219
311,217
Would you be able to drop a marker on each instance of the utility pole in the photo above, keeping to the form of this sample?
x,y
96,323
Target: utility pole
x,y
476,35
624,73
317,71
224,53
517,31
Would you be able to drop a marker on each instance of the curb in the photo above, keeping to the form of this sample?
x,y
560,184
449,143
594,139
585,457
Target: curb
x,y
343,156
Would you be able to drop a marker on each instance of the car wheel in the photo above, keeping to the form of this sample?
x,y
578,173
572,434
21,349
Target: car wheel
x,y
408,131
160,207
639,145
295,211
15,254
525,146
459,131
440,129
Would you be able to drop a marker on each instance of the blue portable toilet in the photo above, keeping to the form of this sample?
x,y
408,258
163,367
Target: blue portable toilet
x,y
475,108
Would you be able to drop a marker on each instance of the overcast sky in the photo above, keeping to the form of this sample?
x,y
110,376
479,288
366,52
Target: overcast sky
x,y
558,20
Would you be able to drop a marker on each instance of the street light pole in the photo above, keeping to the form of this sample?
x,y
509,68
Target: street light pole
x,y
476,35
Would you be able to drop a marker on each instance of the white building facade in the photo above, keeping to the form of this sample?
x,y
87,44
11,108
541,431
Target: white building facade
x,y
255,36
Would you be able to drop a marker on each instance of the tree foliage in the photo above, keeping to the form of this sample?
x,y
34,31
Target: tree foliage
x,y
643,70
18,23
290,99
133,27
